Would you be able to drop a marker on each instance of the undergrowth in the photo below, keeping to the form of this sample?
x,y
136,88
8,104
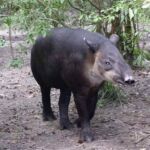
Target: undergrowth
x,y
110,93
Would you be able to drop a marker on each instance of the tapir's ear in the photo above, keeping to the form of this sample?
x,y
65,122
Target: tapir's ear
x,y
92,46
114,38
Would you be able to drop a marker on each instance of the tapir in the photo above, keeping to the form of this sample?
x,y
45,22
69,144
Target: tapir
x,y
76,61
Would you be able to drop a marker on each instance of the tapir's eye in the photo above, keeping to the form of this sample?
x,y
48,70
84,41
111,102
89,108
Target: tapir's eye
x,y
107,63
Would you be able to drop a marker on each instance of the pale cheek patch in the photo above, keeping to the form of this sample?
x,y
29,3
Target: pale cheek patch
x,y
109,75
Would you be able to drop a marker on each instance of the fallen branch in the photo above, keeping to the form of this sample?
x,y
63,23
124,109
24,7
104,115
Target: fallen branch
x,y
142,139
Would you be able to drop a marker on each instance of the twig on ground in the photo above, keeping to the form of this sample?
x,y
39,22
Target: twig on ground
x,y
142,139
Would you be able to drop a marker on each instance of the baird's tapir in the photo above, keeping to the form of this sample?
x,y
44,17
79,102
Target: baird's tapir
x,y
79,62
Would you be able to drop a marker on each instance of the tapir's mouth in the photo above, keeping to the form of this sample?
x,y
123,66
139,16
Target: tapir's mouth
x,y
123,81
118,78
120,81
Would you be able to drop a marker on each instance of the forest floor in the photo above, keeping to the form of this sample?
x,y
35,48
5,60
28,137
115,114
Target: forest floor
x,y
122,126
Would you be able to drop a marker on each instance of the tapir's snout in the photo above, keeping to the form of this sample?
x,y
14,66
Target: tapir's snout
x,y
128,79
125,76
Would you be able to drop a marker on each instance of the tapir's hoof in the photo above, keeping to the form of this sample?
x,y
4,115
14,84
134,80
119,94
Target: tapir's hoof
x,y
65,124
78,123
50,117
86,137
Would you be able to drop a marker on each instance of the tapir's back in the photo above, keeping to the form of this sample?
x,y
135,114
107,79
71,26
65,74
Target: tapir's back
x,y
72,39
53,53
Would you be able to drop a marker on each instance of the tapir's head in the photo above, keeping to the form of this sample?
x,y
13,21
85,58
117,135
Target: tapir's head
x,y
109,63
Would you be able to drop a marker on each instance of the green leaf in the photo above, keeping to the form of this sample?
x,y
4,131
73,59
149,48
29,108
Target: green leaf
x,y
2,42
81,16
96,19
135,11
131,14
8,21
62,1
16,63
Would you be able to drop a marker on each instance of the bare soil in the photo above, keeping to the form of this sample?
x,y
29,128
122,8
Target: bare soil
x,y
123,126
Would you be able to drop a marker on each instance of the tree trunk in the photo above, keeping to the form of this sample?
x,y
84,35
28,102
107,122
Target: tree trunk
x,y
10,41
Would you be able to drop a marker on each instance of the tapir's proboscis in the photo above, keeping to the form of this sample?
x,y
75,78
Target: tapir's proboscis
x,y
79,62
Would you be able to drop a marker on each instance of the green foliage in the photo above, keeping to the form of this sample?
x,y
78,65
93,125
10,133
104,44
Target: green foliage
x,y
36,16
16,63
105,16
121,18
141,58
8,20
22,49
110,93
145,17
2,42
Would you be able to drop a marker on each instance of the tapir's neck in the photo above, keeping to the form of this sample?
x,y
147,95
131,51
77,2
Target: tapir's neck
x,y
95,79
92,72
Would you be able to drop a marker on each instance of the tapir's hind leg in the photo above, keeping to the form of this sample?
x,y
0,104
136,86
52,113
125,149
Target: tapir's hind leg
x,y
47,110
64,100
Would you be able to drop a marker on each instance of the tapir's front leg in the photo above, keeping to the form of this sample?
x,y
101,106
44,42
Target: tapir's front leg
x,y
81,104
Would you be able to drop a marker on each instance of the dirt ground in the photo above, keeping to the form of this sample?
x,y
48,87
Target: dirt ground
x,y
125,126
